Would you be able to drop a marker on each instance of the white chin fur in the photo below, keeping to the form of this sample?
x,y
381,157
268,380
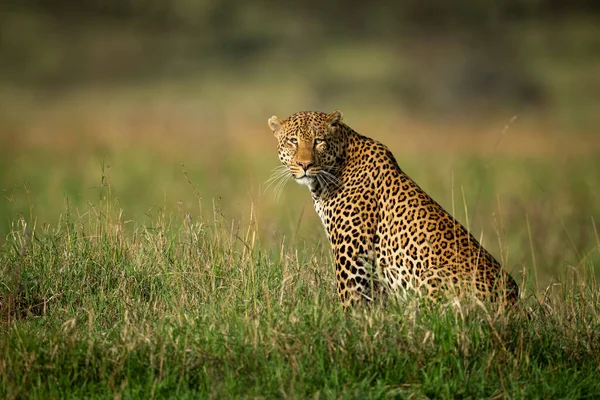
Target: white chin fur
x,y
306,180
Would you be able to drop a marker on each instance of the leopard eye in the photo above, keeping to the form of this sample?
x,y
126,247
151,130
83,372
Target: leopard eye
x,y
318,141
293,141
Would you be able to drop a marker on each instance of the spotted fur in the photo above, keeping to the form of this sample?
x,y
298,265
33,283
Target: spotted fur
x,y
386,233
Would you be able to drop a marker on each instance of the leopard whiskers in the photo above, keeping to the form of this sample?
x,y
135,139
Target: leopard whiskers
x,y
278,173
330,179
334,179
333,168
327,181
322,182
280,176
280,185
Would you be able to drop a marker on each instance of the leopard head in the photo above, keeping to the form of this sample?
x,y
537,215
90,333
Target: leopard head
x,y
310,145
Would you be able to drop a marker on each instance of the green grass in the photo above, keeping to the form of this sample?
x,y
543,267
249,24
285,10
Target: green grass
x,y
189,308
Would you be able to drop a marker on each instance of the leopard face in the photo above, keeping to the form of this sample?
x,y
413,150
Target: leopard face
x,y
309,145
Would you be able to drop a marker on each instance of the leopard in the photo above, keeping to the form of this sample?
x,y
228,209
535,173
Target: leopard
x,y
386,233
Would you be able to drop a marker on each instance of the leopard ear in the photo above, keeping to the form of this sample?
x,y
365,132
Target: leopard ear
x,y
275,124
335,118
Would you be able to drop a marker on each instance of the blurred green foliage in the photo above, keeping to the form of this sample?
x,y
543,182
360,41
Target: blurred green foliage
x,y
439,58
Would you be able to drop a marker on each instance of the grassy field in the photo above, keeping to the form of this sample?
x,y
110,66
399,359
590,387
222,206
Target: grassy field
x,y
141,256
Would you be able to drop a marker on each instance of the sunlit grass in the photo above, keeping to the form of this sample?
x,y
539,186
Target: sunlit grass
x,y
191,307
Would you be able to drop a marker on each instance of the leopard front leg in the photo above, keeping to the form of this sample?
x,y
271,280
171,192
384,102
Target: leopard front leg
x,y
354,264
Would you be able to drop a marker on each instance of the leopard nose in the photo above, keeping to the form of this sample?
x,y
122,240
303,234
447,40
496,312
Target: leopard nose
x,y
305,164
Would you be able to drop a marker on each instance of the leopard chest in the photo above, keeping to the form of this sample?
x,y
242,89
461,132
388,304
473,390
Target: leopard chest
x,y
321,209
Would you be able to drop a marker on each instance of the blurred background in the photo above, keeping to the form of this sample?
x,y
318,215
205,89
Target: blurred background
x,y
492,107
